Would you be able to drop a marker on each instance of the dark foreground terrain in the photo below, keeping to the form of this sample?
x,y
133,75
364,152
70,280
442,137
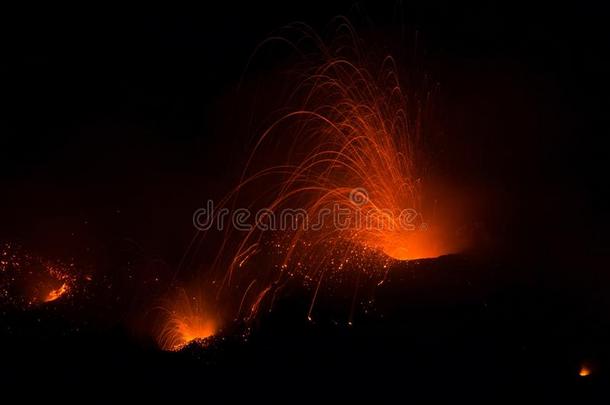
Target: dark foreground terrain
x,y
453,328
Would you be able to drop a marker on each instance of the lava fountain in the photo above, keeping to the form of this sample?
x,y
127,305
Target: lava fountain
x,y
353,164
346,160
187,319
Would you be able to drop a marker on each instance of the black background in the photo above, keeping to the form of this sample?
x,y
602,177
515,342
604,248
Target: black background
x,y
116,125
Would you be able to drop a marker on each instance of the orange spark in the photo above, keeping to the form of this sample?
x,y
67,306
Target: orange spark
x,y
30,280
585,371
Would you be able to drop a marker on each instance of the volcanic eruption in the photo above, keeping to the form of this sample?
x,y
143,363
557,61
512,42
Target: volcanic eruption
x,y
340,178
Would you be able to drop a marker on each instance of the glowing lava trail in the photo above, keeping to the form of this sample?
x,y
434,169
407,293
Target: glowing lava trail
x,y
57,293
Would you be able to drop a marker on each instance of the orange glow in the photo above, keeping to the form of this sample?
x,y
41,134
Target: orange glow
x,y
56,293
412,247
186,329
185,321
584,371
